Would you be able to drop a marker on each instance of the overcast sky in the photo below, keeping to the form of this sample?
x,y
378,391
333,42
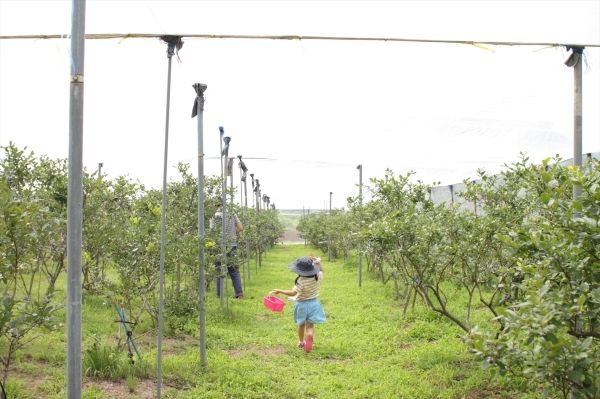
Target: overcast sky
x,y
315,109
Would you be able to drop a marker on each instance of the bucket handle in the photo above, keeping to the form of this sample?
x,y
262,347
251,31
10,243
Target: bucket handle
x,y
271,294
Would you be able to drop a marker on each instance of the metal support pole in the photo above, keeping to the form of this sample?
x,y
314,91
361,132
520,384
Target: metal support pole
x,y
75,201
359,167
578,122
252,176
200,88
575,61
224,152
258,250
100,164
161,290
241,180
247,221
329,224
230,173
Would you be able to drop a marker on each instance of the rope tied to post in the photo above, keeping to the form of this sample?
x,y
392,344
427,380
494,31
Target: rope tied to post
x,y
578,50
577,53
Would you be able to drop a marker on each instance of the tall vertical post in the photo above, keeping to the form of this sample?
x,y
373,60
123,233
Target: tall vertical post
x,y
224,164
252,176
75,201
258,249
329,224
303,216
100,164
578,121
200,88
247,221
163,225
575,60
257,195
359,167
241,180
230,173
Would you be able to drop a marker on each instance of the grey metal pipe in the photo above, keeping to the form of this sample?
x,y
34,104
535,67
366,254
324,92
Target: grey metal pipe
x,y
329,238
163,230
578,120
359,167
200,88
247,221
223,280
75,201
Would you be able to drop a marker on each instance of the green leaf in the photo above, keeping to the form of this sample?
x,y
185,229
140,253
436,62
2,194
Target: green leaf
x,y
585,345
545,198
552,338
577,205
581,301
575,375
546,177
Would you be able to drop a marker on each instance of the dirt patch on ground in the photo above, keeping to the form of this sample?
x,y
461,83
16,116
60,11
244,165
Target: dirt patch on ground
x,y
146,389
483,394
279,350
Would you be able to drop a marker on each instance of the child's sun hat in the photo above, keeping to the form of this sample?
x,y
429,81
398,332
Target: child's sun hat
x,y
304,266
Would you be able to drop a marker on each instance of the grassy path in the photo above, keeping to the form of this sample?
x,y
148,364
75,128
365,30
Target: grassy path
x,y
366,349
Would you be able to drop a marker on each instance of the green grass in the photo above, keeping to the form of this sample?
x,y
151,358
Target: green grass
x,y
367,348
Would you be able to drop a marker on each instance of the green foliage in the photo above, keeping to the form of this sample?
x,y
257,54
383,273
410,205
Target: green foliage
x,y
108,363
132,382
551,334
335,232
121,243
101,362
29,231
289,222
528,256
250,349
527,260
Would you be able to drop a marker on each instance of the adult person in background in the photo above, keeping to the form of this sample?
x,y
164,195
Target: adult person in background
x,y
233,227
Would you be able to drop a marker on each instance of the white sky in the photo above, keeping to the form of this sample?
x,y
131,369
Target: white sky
x,y
317,109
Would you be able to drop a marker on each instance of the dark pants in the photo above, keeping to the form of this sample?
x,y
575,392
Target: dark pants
x,y
234,273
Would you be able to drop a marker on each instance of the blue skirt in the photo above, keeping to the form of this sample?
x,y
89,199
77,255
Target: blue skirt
x,y
309,310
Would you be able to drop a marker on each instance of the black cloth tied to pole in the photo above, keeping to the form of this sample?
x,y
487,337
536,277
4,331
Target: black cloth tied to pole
x,y
199,101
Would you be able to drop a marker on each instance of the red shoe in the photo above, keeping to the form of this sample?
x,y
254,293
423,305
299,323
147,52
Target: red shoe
x,y
301,344
309,342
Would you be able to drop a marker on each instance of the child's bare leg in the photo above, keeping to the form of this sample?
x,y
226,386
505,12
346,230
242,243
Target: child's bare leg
x,y
310,328
301,328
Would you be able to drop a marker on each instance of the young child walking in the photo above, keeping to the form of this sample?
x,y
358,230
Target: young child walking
x,y
308,310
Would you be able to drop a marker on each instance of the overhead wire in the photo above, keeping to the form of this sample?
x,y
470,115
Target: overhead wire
x,y
300,37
